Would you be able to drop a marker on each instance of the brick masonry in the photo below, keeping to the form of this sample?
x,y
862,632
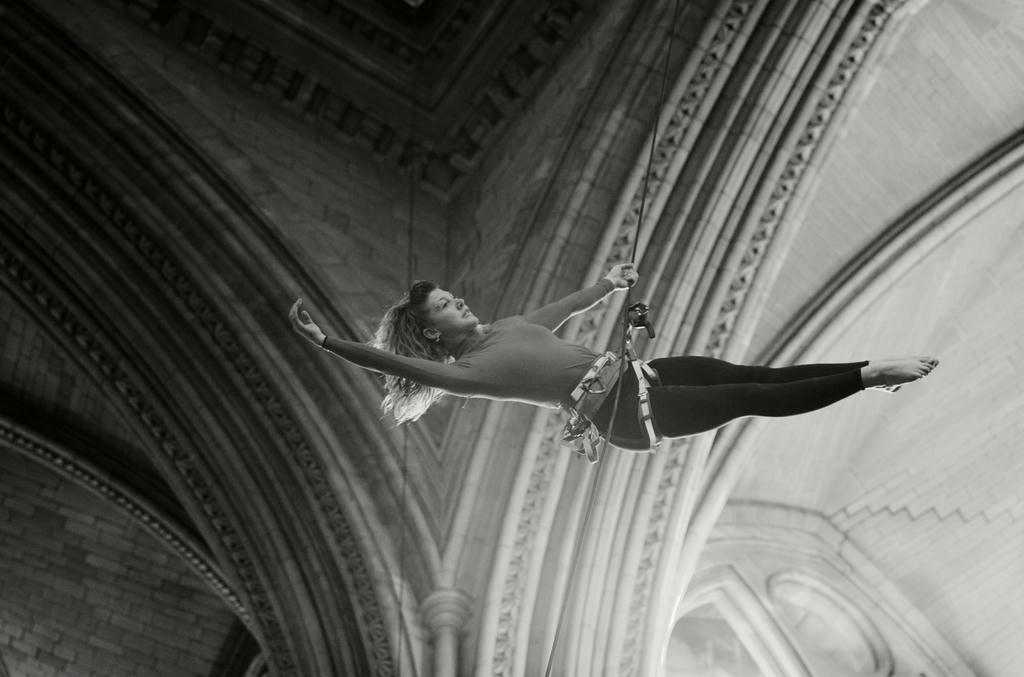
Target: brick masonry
x,y
85,591
345,215
507,207
38,380
935,501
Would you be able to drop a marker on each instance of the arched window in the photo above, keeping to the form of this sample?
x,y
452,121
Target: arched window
x,y
705,644
833,634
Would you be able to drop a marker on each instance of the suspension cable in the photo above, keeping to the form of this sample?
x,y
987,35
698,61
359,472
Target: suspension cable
x,y
409,273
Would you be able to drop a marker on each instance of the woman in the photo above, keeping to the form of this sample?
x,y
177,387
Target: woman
x,y
430,343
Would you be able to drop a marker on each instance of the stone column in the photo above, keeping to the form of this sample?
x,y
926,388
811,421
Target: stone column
x,y
445,611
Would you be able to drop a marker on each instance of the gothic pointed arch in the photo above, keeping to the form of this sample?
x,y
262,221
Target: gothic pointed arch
x,y
100,221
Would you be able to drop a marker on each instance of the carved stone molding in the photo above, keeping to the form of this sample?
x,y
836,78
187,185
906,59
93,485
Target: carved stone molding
x,y
756,247
181,287
22,280
449,152
446,609
743,279
647,569
514,586
849,626
258,668
387,40
136,506
445,612
729,592
787,184
808,549
668,145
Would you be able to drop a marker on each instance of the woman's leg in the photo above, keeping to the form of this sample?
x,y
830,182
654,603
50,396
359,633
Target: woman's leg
x,y
691,370
681,410
697,394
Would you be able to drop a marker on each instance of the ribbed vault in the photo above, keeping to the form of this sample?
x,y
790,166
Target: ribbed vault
x,y
937,246
944,454
830,179
801,600
74,225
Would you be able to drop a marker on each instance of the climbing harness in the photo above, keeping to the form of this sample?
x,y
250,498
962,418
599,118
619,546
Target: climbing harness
x,y
580,433
646,376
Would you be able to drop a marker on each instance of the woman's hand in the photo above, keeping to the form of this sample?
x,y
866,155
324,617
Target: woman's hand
x,y
623,275
304,325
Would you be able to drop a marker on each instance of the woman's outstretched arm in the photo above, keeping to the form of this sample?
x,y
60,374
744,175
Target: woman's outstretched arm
x,y
427,372
554,314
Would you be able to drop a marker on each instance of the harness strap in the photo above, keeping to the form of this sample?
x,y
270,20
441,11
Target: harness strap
x,y
580,434
645,416
645,375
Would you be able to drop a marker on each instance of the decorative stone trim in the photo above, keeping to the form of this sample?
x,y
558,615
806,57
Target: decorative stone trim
x,y
647,568
788,182
390,42
838,570
742,282
530,516
258,668
19,278
134,505
868,638
20,128
729,592
446,609
298,87
667,148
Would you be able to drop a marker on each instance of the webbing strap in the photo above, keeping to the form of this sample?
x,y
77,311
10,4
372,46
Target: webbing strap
x,y
644,415
580,434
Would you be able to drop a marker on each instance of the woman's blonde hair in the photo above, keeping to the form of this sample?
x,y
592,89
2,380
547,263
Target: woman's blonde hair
x,y
401,332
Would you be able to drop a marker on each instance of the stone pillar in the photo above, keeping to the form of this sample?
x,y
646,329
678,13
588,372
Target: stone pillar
x,y
445,611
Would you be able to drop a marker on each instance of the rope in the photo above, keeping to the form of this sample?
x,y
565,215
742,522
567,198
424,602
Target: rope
x,y
578,128
409,266
591,500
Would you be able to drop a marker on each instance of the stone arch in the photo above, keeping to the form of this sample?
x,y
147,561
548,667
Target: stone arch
x,y
83,208
65,461
736,599
724,181
757,547
97,569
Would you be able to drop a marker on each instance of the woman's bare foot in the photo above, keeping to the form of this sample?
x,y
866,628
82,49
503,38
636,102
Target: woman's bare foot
x,y
891,374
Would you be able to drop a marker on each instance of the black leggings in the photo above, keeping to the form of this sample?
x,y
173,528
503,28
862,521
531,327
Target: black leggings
x,y
697,394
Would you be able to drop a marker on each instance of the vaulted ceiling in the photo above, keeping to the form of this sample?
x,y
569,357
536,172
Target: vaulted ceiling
x,y
187,488
433,84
